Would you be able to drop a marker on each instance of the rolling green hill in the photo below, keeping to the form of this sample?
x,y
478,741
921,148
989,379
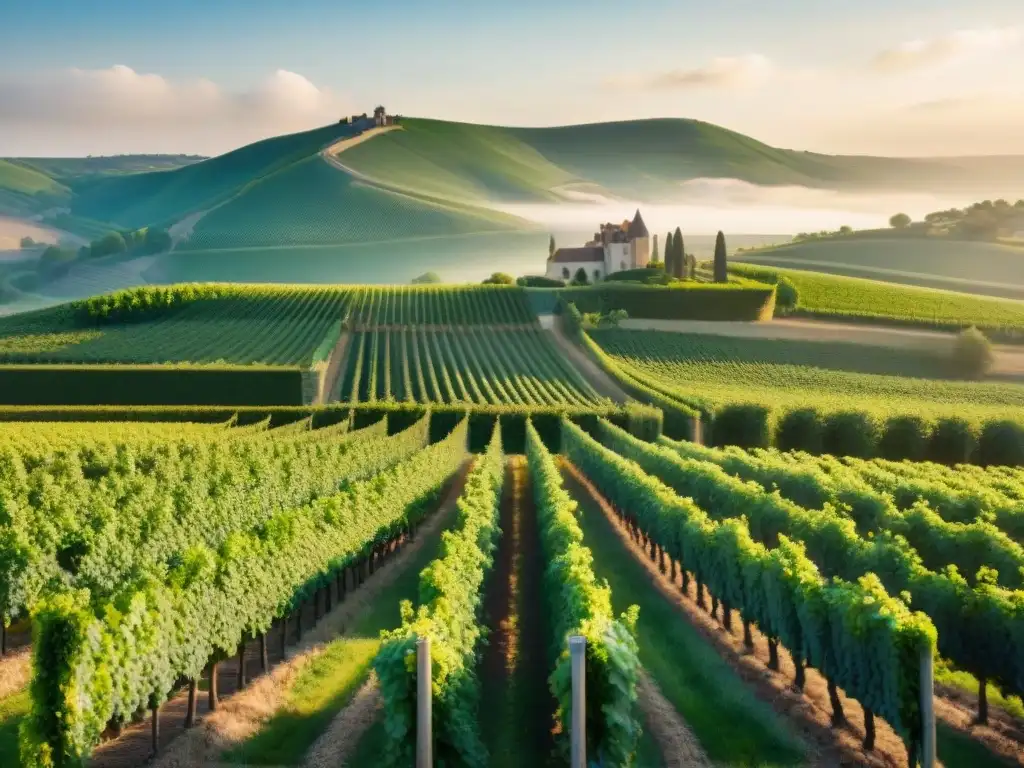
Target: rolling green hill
x,y
313,203
26,190
958,265
166,196
458,161
641,159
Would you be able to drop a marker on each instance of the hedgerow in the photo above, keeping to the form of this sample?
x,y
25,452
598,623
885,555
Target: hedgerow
x,y
101,660
579,605
860,637
449,614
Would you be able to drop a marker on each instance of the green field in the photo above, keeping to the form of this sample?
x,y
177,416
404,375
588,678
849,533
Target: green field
x,y
710,372
836,297
988,269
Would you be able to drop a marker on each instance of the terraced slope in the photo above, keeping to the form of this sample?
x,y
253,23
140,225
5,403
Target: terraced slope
x,y
958,265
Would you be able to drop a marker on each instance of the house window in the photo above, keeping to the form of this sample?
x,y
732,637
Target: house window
x,y
565,273
597,275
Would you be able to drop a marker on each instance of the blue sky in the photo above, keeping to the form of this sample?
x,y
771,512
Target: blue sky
x,y
872,76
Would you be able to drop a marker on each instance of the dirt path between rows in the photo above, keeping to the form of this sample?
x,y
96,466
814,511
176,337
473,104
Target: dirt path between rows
x,y
1009,359
242,714
518,711
809,712
679,747
15,671
340,740
591,371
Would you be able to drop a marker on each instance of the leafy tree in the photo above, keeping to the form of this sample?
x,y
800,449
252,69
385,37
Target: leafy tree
x,y
426,278
846,229
27,242
580,278
721,265
155,241
54,255
551,246
972,354
900,221
691,266
112,242
500,278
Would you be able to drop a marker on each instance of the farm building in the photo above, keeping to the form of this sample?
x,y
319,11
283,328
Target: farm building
x,y
382,118
614,248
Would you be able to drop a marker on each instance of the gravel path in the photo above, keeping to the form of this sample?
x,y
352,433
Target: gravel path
x,y
592,372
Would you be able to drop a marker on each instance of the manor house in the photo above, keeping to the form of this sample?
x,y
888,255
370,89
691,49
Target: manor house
x,y
615,248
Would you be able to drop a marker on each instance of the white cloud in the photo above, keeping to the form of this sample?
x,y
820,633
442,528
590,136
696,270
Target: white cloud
x,y
121,110
920,54
720,72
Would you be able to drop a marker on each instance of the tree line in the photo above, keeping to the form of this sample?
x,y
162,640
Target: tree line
x,y
987,220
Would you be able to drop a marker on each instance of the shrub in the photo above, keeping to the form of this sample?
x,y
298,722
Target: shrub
x,y
742,424
800,430
904,437
500,278
849,433
427,278
27,242
679,301
539,281
1001,442
952,441
786,294
972,355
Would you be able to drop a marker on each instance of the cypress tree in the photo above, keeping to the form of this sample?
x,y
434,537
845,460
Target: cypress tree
x,y
669,254
551,247
721,267
654,250
680,255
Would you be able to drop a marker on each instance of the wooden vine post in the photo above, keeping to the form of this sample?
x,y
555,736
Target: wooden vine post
x,y
424,705
156,729
578,716
928,746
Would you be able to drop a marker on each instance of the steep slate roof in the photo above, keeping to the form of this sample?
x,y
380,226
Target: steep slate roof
x,y
637,228
586,253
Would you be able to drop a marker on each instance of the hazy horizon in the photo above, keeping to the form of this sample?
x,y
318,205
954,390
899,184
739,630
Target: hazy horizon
x,y
930,78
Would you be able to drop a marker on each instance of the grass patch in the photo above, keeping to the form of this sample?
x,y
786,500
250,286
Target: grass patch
x,y
13,710
958,750
327,684
730,723
945,674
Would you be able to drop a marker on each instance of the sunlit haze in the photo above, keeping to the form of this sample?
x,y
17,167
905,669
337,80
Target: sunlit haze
x,y
918,77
